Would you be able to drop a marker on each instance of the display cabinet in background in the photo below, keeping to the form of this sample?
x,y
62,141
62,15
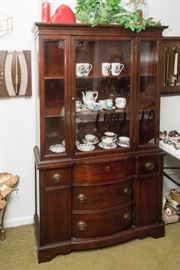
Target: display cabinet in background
x,y
98,164
171,66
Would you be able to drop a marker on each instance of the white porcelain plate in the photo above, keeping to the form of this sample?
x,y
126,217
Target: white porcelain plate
x,y
104,146
85,147
122,145
57,148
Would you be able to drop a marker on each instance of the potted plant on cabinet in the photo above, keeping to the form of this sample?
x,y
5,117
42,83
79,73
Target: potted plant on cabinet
x,y
95,12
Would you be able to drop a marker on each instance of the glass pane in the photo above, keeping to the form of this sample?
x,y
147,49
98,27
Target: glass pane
x,y
55,133
147,107
54,58
102,94
54,95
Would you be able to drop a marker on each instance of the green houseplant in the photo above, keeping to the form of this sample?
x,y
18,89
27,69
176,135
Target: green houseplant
x,y
96,12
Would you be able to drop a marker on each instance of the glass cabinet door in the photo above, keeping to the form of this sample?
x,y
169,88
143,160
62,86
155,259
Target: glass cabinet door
x,y
147,92
53,117
102,94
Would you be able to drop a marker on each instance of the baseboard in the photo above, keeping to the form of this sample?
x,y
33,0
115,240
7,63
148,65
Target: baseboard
x,y
18,221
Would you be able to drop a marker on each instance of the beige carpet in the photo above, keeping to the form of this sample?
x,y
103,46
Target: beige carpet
x,y
18,252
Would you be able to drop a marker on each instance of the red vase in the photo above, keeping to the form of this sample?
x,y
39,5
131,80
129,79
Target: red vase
x,y
46,10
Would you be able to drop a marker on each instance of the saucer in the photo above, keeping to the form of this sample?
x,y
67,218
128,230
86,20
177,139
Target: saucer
x,y
57,148
85,147
78,109
120,107
109,109
104,146
123,145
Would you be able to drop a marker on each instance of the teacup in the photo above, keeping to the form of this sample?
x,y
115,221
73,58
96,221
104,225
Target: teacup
x,y
90,138
107,140
124,140
116,68
102,103
109,103
106,69
83,69
78,104
110,134
120,102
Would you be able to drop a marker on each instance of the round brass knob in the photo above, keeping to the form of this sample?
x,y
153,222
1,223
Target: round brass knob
x,y
56,178
127,191
82,225
81,198
126,216
149,166
107,168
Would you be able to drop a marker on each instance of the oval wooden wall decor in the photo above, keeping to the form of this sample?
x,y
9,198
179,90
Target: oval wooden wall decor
x,y
15,73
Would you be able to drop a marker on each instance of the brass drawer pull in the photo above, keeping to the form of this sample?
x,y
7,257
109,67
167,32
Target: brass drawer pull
x,y
126,216
81,198
82,225
149,166
127,191
107,168
57,178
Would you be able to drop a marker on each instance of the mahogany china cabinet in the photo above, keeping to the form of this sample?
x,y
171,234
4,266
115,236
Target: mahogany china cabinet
x,y
97,161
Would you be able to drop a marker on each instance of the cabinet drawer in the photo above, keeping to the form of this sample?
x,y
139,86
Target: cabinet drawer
x,y
101,197
55,177
101,223
147,165
103,172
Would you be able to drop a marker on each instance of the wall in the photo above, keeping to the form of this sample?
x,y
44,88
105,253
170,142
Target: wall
x,y
17,115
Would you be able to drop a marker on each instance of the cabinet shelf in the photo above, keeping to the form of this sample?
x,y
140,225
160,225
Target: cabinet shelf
x,y
54,78
102,77
53,116
101,111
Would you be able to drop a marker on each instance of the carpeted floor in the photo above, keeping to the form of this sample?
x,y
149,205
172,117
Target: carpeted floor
x,y
18,252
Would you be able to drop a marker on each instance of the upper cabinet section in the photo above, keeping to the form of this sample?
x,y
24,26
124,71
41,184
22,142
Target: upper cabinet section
x,y
103,79
170,82
98,89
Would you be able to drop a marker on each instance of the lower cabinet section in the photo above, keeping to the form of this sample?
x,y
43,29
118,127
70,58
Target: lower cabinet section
x,y
75,211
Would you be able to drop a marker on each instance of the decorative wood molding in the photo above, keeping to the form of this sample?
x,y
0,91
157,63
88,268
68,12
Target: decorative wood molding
x,y
15,73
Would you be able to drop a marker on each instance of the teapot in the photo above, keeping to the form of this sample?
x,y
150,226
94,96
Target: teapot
x,y
89,98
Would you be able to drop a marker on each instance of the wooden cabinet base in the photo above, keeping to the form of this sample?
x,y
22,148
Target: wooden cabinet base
x,y
48,252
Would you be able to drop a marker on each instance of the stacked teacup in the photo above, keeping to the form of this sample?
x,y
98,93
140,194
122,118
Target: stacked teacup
x,y
108,140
